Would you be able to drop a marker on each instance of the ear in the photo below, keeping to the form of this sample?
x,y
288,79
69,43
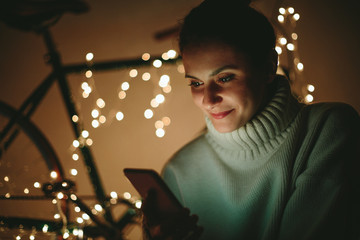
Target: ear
x,y
272,64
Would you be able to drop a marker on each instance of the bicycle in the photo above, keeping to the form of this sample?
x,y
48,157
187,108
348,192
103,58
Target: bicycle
x,y
16,126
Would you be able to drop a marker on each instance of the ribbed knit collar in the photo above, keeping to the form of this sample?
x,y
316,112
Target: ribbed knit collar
x,y
261,134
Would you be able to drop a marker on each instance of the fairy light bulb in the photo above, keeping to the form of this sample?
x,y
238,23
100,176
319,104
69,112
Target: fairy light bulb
x,y
95,123
57,216
100,103
133,73
290,47
102,119
146,76
54,201
160,98
148,113
85,134
166,121
66,235
159,124
138,204
145,56
310,88
165,56
283,41
26,191
75,156
89,142
77,209
278,50
89,56
296,16
167,89
122,95
125,86
6,179
53,174
85,216
60,195
88,74
95,113
37,185
18,237
294,36
127,195
7,195
281,18
75,118
164,80
73,172
291,10
32,237
160,132
181,68
154,103
98,207
282,10
76,143
172,53
157,63
79,220
113,194
45,228
309,98
119,116
300,66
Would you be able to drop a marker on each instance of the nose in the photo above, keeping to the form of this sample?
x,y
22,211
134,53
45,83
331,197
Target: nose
x,y
212,96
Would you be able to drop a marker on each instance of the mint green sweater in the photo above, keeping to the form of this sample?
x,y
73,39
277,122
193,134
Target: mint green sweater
x,y
292,172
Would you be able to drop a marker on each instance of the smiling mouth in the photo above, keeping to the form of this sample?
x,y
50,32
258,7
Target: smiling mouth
x,y
221,115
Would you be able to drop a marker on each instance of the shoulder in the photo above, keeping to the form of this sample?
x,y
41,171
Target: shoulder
x,y
338,115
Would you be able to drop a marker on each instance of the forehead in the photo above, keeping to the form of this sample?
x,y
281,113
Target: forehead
x,y
212,56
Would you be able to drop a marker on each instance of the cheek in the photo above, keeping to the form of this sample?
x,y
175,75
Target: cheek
x,y
197,98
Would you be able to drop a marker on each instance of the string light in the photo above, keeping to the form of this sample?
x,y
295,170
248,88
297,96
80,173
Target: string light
x,y
54,201
75,118
281,18
45,228
73,197
309,98
7,195
89,141
119,116
172,53
76,143
85,216
283,41
98,207
138,204
167,89
148,113
294,36
18,237
95,113
77,209
133,73
6,179
310,88
37,185
290,47
53,174
159,124
79,220
157,63
75,156
166,121
296,16
160,132
26,191
165,56
164,80
100,103
85,133
145,56
57,216
127,195
60,195
88,74
66,234
160,98
291,10
181,68
122,95
95,123
113,195
125,86
278,50
154,103
73,172
32,237
89,56
102,119
300,66
282,10
146,76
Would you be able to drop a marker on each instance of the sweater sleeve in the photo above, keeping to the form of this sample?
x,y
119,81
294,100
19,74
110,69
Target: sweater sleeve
x,y
324,203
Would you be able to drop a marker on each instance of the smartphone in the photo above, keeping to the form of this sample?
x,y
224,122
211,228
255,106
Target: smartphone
x,y
145,180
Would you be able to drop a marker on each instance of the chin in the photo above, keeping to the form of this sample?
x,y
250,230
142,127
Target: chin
x,y
224,129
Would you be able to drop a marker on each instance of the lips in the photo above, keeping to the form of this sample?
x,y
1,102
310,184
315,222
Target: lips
x,y
221,115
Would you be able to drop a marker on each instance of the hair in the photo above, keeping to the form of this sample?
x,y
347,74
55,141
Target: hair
x,y
231,22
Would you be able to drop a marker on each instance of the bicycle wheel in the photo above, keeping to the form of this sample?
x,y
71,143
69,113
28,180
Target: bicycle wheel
x,y
27,161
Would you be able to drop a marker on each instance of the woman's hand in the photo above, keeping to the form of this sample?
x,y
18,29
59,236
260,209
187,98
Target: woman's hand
x,y
159,225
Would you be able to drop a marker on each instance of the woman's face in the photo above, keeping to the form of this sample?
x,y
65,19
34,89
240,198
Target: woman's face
x,y
224,85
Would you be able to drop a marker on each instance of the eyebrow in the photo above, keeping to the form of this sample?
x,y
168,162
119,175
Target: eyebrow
x,y
230,66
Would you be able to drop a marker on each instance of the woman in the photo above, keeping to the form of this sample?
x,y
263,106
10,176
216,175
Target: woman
x,y
268,167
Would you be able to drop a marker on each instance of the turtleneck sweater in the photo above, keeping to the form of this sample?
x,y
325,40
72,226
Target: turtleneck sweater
x,y
289,173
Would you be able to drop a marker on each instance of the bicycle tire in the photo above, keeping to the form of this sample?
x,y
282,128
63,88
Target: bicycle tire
x,y
46,158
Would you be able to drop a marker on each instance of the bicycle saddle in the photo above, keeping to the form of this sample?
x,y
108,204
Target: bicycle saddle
x,y
34,14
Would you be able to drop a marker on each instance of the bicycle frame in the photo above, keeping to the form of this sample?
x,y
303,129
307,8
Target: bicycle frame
x,y
59,74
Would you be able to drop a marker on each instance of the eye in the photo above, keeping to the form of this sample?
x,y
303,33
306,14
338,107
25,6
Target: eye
x,y
225,78
195,84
